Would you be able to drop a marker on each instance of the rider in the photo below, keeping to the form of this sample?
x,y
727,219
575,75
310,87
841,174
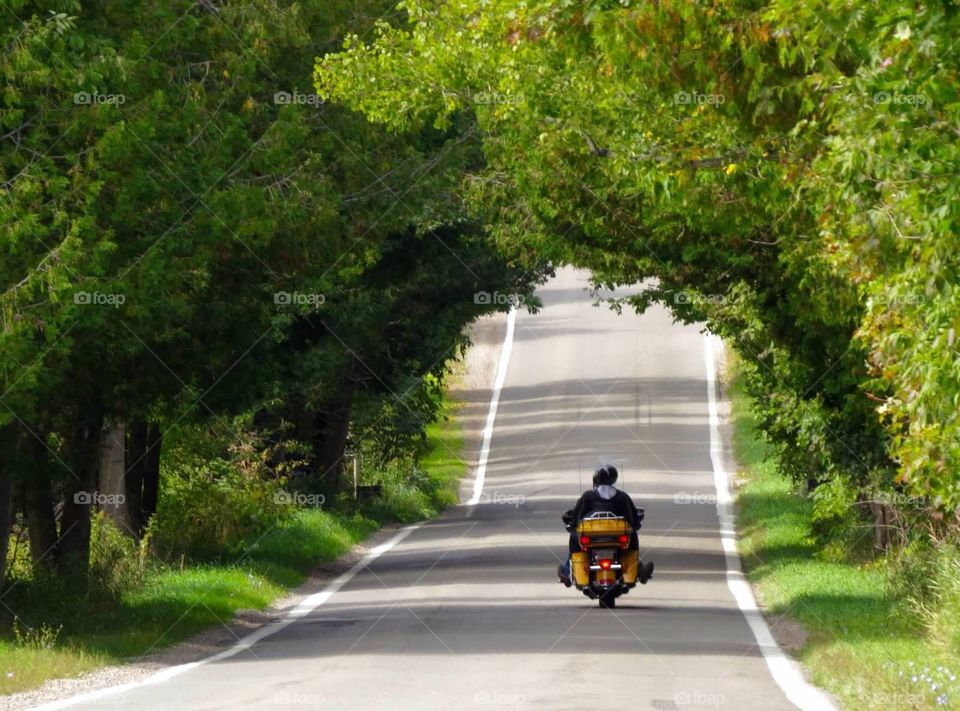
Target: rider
x,y
605,497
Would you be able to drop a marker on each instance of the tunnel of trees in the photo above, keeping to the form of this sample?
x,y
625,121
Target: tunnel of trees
x,y
203,231
784,171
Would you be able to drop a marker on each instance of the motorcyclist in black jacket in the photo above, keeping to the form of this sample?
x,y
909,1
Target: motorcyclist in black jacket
x,y
604,496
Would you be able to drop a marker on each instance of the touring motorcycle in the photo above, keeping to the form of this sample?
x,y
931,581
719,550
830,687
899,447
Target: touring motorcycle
x,y
604,568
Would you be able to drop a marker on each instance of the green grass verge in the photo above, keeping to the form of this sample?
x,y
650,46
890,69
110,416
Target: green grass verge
x,y
69,638
170,605
863,644
444,463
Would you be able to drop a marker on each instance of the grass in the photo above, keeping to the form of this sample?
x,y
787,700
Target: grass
x,y
62,638
168,607
443,463
863,644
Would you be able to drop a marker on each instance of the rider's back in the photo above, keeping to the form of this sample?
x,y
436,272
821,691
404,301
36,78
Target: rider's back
x,y
605,498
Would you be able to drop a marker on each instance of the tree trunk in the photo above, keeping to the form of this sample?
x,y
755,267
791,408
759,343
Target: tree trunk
x,y
74,542
38,504
333,425
111,486
143,473
151,472
136,464
883,522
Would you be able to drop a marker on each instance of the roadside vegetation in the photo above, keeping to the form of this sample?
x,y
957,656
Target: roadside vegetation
x,y
881,632
145,596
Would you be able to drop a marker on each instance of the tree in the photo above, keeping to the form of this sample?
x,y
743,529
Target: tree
x,y
192,235
702,144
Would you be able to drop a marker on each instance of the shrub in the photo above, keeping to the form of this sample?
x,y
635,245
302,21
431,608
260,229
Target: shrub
x,y
117,561
211,508
407,494
40,637
911,570
940,610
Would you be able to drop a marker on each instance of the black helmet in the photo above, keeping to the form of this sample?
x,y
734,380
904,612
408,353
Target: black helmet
x,y
607,474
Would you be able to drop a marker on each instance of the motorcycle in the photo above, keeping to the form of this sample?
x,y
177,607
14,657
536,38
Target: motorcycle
x,y
604,568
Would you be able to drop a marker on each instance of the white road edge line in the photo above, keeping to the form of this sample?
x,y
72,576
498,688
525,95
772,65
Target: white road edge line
x,y
303,608
785,671
502,364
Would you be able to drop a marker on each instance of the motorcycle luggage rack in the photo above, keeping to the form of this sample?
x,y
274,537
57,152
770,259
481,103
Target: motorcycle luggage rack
x,y
601,514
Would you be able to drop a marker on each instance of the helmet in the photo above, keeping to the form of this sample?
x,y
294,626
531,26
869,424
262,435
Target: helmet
x,y
607,474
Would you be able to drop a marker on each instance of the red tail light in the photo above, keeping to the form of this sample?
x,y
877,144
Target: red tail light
x,y
605,563
584,540
624,540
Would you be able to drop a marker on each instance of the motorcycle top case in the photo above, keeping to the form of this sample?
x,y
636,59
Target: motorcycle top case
x,y
604,526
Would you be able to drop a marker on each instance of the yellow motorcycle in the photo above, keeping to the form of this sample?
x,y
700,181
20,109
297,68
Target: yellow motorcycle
x,y
604,568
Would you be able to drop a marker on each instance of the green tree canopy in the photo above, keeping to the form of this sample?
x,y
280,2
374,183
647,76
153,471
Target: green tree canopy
x,y
785,171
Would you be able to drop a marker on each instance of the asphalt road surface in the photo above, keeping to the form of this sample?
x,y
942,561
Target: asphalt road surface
x,y
465,611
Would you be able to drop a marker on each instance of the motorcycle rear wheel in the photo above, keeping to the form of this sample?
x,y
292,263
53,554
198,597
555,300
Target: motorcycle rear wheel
x,y
608,600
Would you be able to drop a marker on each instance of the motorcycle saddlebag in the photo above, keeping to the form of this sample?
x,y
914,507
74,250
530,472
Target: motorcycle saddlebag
x,y
629,561
580,568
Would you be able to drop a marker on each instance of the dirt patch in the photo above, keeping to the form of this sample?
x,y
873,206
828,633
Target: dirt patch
x,y
789,634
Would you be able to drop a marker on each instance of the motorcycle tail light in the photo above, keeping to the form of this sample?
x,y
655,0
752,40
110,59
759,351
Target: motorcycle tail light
x,y
605,563
584,540
624,540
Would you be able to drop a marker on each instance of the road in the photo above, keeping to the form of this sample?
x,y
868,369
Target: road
x,y
465,611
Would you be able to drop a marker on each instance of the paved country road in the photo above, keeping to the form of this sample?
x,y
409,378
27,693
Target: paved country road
x,y
465,611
